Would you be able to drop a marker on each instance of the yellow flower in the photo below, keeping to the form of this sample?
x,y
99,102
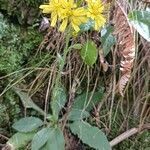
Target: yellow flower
x,y
95,10
66,12
70,14
53,7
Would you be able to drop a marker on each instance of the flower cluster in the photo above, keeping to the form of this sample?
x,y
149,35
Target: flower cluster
x,y
68,13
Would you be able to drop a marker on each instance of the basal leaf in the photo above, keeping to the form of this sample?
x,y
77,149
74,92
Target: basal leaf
x,y
89,53
90,135
56,140
40,138
27,101
44,147
19,140
77,114
141,22
83,101
27,124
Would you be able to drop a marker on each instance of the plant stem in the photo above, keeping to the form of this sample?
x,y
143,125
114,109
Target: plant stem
x,y
61,64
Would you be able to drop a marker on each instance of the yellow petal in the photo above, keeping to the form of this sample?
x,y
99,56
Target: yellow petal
x,y
63,25
46,8
75,27
72,4
43,6
56,1
71,1
96,26
80,12
82,20
76,21
53,19
64,4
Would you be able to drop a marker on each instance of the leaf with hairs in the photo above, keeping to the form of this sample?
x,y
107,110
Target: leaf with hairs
x,y
56,140
78,114
27,124
40,138
90,135
20,140
83,101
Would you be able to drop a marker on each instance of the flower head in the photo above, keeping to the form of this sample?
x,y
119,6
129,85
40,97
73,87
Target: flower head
x,y
72,15
65,11
95,10
53,7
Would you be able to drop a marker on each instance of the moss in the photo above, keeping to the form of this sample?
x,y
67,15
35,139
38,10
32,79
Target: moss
x,y
9,110
26,11
16,46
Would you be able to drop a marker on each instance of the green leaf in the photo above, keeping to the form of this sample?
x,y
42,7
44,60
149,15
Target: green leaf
x,y
40,138
59,99
83,101
89,53
44,147
77,114
87,26
27,124
19,140
90,135
60,61
107,39
141,22
56,140
76,46
27,101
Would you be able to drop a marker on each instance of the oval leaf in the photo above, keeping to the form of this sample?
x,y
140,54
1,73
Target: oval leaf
x,y
44,147
27,124
90,135
19,140
40,138
56,140
141,22
89,53
83,101
78,114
